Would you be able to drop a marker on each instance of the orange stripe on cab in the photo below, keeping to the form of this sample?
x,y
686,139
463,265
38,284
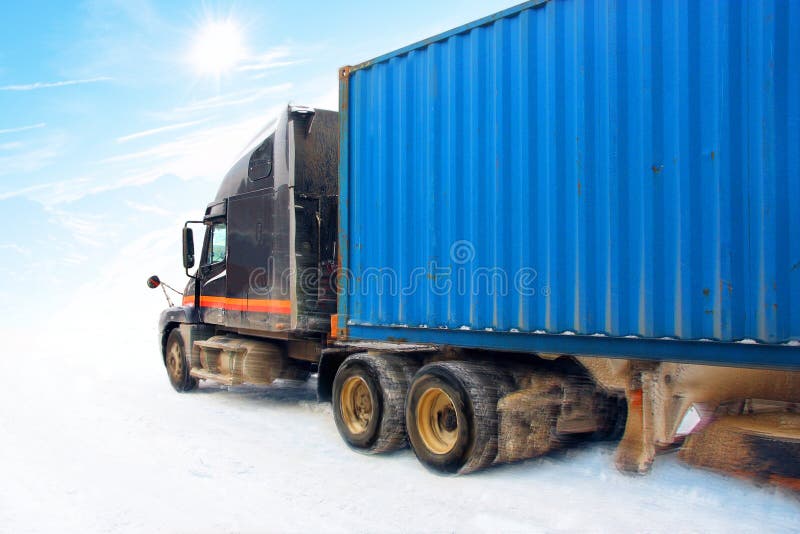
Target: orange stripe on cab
x,y
248,305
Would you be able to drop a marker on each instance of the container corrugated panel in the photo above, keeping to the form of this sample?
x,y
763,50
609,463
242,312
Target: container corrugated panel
x,y
582,167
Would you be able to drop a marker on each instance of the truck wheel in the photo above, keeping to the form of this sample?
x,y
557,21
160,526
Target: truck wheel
x,y
451,415
369,400
177,364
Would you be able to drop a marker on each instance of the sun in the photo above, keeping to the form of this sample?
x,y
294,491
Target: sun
x,y
217,48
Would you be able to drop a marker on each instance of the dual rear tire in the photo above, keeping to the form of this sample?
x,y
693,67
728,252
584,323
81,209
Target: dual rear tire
x,y
447,411
368,396
451,415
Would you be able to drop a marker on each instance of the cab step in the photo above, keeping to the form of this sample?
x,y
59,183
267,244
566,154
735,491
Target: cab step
x,y
226,380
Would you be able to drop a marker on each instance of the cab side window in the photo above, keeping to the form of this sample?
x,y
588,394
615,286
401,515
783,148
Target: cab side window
x,y
261,161
217,243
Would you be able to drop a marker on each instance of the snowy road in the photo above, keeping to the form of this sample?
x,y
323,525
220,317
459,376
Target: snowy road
x,y
98,441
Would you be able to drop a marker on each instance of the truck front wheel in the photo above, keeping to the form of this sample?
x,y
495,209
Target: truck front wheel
x,y
177,363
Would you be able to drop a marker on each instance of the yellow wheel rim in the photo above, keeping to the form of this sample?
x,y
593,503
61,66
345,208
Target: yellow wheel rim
x,y
175,362
437,421
356,404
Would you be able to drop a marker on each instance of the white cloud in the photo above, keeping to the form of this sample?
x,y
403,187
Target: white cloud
x,y
272,65
234,99
202,151
46,85
156,152
23,128
28,161
52,193
154,131
328,100
24,191
85,228
74,258
272,59
144,208
11,146
16,248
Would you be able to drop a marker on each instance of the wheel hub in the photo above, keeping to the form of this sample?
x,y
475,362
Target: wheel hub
x,y
174,361
437,421
356,404
449,419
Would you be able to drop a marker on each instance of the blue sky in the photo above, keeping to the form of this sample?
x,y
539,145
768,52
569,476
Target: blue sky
x,y
118,118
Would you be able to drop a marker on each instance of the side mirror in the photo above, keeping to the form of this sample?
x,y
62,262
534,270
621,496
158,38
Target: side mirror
x,y
153,282
188,248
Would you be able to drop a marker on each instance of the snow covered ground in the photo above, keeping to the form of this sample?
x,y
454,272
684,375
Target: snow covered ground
x,y
92,438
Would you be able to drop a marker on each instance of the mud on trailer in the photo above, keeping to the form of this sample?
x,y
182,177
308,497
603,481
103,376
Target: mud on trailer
x,y
567,220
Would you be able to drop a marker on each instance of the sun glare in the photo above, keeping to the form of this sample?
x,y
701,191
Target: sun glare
x,y
217,48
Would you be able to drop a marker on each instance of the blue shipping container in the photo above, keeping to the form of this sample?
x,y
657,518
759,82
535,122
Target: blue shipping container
x,y
585,177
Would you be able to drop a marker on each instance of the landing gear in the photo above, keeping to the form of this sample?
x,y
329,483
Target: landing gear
x,y
177,363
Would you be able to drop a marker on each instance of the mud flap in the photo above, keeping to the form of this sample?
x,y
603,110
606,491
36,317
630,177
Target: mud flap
x,y
764,446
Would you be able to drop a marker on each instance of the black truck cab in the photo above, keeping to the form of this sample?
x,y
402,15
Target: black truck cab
x,y
266,267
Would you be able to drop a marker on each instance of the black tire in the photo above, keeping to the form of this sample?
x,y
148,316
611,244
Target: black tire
x,y
386,378
473,390
177,364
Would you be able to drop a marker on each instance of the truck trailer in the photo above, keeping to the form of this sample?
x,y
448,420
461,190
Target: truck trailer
x,y
568,220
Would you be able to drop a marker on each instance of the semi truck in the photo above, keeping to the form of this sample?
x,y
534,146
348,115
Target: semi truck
x,y
568,220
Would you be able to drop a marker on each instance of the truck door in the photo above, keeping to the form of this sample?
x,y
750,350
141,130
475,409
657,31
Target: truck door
x,y
250,246
213,274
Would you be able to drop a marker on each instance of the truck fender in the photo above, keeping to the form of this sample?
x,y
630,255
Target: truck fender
x,y
170,319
